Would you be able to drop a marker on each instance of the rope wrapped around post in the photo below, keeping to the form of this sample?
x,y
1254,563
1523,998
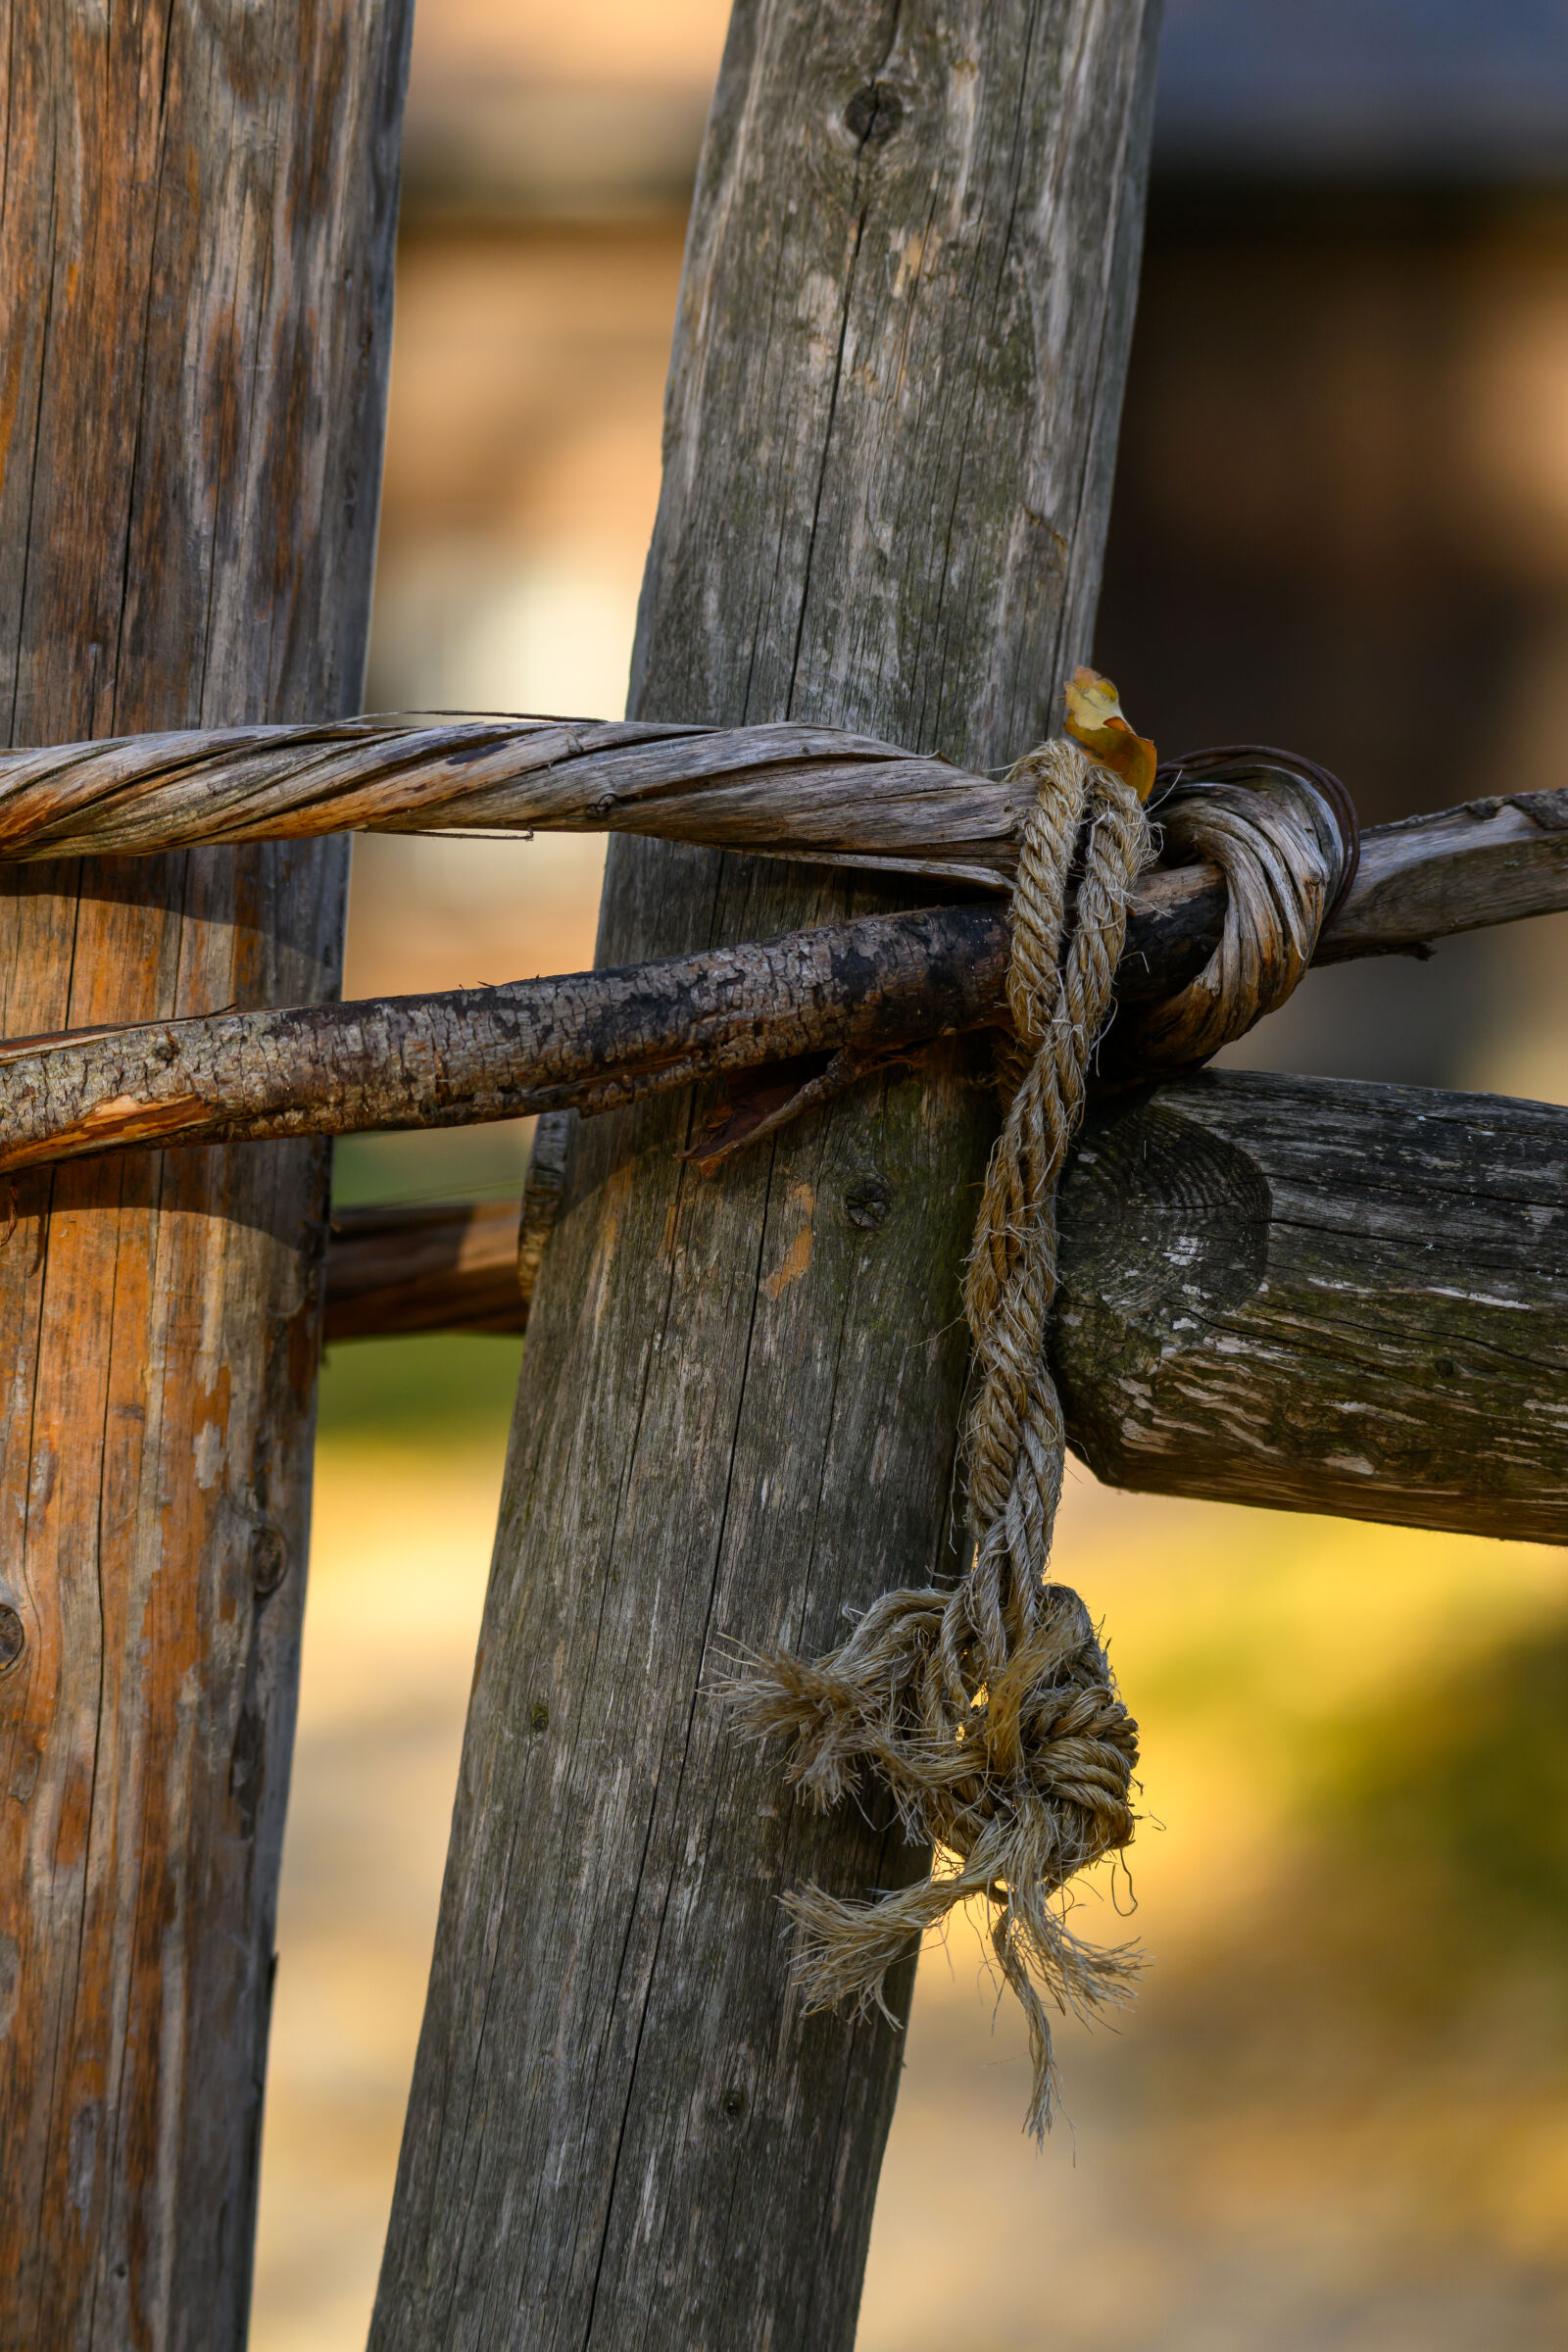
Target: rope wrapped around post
x,y
987,1710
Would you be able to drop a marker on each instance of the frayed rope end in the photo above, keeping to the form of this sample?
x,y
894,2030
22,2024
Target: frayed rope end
x,y
1023,1781
845,1952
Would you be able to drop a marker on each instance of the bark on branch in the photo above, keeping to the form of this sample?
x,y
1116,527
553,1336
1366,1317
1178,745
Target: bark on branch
x,y
596,1040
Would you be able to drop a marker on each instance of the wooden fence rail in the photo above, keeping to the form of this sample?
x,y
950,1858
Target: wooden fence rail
x,y
1311,1294
809,794
834,1000
1323,1297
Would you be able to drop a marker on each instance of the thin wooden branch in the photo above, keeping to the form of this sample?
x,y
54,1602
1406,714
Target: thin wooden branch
x,y
1495,860
608,1038
596,1041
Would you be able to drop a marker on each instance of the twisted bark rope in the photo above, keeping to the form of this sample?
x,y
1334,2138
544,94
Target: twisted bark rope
x,y
786,791
989,1710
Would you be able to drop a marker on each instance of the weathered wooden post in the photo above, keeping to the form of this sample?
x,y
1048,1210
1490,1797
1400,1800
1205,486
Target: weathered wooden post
x,y
891,415
195,257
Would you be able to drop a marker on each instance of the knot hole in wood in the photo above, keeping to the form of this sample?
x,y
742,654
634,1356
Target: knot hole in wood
x,y
875,113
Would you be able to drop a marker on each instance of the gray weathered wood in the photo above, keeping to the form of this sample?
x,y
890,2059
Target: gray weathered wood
x,y
1495,860
794,791
195,257
892,401
1323,1297
600,1040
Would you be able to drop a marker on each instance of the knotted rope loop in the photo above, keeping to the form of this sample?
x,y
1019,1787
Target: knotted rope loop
x,y
1283,832
989,1710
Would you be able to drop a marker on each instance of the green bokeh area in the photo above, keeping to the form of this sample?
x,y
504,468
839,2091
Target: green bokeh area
x,y
432,1163
448,1388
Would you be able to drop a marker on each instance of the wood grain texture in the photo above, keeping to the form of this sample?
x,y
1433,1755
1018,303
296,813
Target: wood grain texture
x,y
790,790
1304,1294
1493,861
801,792
195,280
892,401
1323,1297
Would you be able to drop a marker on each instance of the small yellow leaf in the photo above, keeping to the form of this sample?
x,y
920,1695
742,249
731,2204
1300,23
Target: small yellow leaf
x,y
1095,719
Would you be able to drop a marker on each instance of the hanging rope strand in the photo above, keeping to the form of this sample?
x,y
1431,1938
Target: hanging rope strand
x,y
989,1710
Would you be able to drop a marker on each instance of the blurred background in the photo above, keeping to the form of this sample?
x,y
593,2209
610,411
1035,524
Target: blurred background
x,y
1338,2116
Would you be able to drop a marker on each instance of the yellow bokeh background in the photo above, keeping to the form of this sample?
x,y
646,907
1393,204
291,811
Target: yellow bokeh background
x,y
1340,2107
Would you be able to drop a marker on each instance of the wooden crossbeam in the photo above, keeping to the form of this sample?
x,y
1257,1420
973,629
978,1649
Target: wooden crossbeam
x,y
1316,1295
394,1272
1324,1297
822,795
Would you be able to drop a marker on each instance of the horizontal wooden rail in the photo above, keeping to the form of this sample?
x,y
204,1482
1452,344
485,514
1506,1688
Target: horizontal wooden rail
x,y
394,1272
1324,1297
1308,1294
595,1040
466,1265
837,995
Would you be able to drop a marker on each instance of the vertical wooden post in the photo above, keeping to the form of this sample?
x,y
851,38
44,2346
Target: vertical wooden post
x,y
892,413
195,267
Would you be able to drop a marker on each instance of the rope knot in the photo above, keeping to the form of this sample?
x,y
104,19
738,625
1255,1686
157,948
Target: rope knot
x,y
989,1710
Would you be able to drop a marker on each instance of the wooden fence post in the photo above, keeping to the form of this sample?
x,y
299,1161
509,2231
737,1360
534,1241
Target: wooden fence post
x,y
892,416
195,258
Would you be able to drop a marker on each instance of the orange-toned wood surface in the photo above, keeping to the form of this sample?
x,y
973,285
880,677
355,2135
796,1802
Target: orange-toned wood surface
x,y
195,278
